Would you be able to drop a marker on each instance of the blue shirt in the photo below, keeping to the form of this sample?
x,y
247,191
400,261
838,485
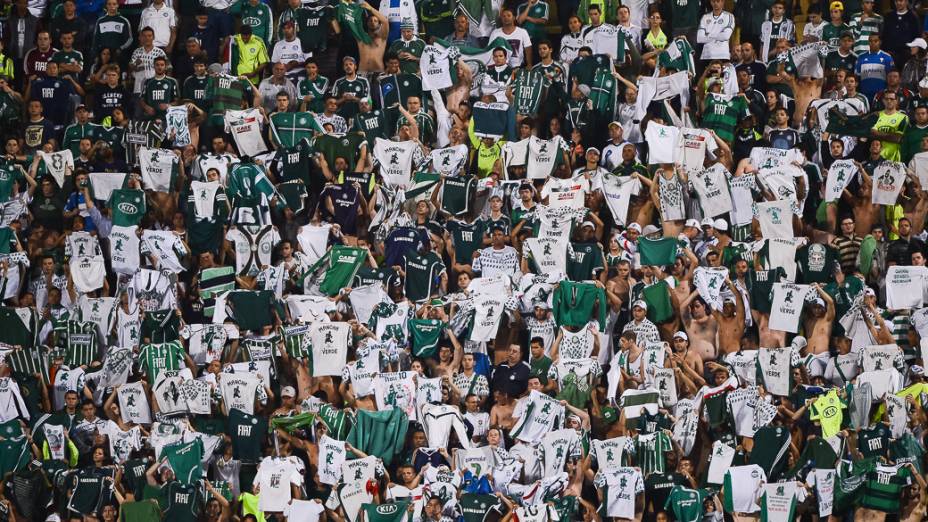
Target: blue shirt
x,y
75,201
872,69
54,93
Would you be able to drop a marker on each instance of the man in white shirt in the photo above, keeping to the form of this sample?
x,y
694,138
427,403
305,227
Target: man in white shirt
x,y
601,38
142,63
163,21
517,38
715,30
289,52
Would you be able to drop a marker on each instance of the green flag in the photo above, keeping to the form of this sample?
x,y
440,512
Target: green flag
x,y
657,252
845,125
422,185
658,298
292,423
381,433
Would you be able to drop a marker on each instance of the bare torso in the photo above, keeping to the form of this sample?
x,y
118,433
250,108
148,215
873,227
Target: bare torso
x,y
730,331
768,338
820,335
702,334
372,55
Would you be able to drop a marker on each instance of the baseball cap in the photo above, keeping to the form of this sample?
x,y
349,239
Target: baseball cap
x,y
80,107
635,226
799,342
215,68
588,224
835,5
869,291
729,299
592,149
918,42
691,223
818,301
650,229
681,335
917,370
616,123
349,58
720,224
287,391
541,304
707,222
640,304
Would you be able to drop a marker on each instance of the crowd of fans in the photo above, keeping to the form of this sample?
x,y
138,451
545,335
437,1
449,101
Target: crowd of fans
x,y
463,260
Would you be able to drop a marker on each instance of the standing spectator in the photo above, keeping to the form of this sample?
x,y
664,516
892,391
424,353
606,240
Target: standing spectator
x,y
249,55
206,32
533,17
289,52
36,60
112,31
22,26
408,48
517,37
277,83
162,20
258,16
900,26
55,94
142,63
69,22
872,68
715,28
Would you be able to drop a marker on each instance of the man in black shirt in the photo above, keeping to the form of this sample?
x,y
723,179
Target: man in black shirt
x,y
511,376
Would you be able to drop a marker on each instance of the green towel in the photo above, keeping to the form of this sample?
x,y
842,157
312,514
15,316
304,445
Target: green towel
x,y
658,298
381,433
867,248
657,252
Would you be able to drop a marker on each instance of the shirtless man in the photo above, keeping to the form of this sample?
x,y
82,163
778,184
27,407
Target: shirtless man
x,y
501,413
818,326
372,54
701,327
730,320
683,354
865,212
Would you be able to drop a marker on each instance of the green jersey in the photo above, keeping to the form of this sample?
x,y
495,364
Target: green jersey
x,y
817,263
862,27
883,489
373,124
342,264
247,433
312,27
195,90
140,511
466,238
760,287
874,442
160,91
907,449
536,31
184,458
773,68
296,163
224,93
73,135
181,501
436,16
722,115
128,206
368,276
9,175
391,512
770,448
583,260
650,452
480,508
359,87
80,343
831,33
422,275
457,194
686,503
134,475
316,90
835,61
258,17
527,89
347,147
413,47
290,127
87,489
425,336
161,356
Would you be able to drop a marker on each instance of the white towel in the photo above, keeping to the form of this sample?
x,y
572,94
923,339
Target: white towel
x,y
204,198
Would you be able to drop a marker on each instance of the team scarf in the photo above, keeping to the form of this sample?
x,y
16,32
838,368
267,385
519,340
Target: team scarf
x,y
618,192
776,219
712,186
490,119
709,282
638,402
774,365
57,164
801,56
888,179
839,175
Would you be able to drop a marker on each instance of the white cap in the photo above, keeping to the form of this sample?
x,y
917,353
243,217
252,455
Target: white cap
x,y
592,149
868,290
729,299
707,222
918,42
818,301
588,224
799,342
287,391
720,224
640,304
681,335
616,123
650,229
691,223
635,226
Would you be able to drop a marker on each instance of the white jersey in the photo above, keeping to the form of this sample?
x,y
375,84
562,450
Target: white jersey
x,y
80,243
12,405
66,380
124,249
167,247
177,126
620,487
253,246
239,391
245,127
275,476
87,273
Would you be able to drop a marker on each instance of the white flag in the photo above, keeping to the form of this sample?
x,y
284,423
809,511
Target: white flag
x,y
435,68
904,286
543,156
888,178
788,300
395,160
331,458
57,163
709,282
